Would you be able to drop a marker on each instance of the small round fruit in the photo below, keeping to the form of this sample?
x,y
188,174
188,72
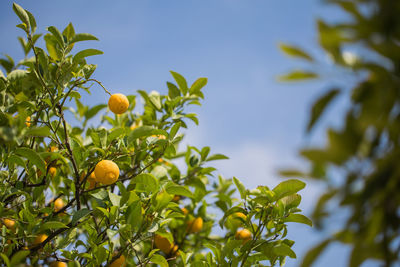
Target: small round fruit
x,y
118,103
91,179
9,223
195,225
106,172
163,244
28,121
53,171
174,250
235,220
58,204
58,264
119,262
243,234
185,211
53,149
39,239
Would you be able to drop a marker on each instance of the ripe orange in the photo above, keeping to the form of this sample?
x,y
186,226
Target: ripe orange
x,y
163,244
185,211
9,223
118,103
52,171
91,179
58,264
28,121
195,225
39,239
58,204
120,262
235,220
244,235
106,172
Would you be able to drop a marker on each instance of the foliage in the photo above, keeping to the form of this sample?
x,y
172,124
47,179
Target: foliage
x,y
365,149
52,206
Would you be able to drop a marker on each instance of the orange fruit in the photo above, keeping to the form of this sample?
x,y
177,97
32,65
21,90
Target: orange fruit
x,y
28,121
53,149
9,223
195,225
58,204
185,211
53,171
244,235
106,172
91,179
119,262
39,239
58,264
235,220
118,103
163,244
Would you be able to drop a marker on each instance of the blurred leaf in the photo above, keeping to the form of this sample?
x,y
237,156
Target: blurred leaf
x,y
198,85
240,187
284,250
319,107
216,157
313,254
297,75
57,35
38,131
21,13
173,91
293,51
79,215
175,189
144,131
5,259
160,260
52,226
18,257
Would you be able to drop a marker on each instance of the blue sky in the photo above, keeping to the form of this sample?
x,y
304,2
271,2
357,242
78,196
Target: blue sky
x,y
258,122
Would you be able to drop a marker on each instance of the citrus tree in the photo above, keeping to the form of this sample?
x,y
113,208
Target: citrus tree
x,y
360,161
121,193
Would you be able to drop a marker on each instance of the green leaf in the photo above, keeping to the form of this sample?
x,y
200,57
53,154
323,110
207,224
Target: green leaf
x,y
18,257
32,21
293,51
31,155
175,189
298,218
173,91
5,259
115,199
240,187
134,214
21,13
313,254
52,47
83,37
180,80
297,75
216,157
116,134
79,215
284,250
69,32
198,85
155,99
146,182
56,33
86,53
38,131
174,130
319,107
144,131
52,226
287,188
158,259
90,113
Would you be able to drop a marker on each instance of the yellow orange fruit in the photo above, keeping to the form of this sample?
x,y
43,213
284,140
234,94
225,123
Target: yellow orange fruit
x,y
9,223
185,211
91,179
58,204
118,103
53,149
195,225
28,121
58,264
244,235
39,239
119,262
106,172
163,244
52,171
